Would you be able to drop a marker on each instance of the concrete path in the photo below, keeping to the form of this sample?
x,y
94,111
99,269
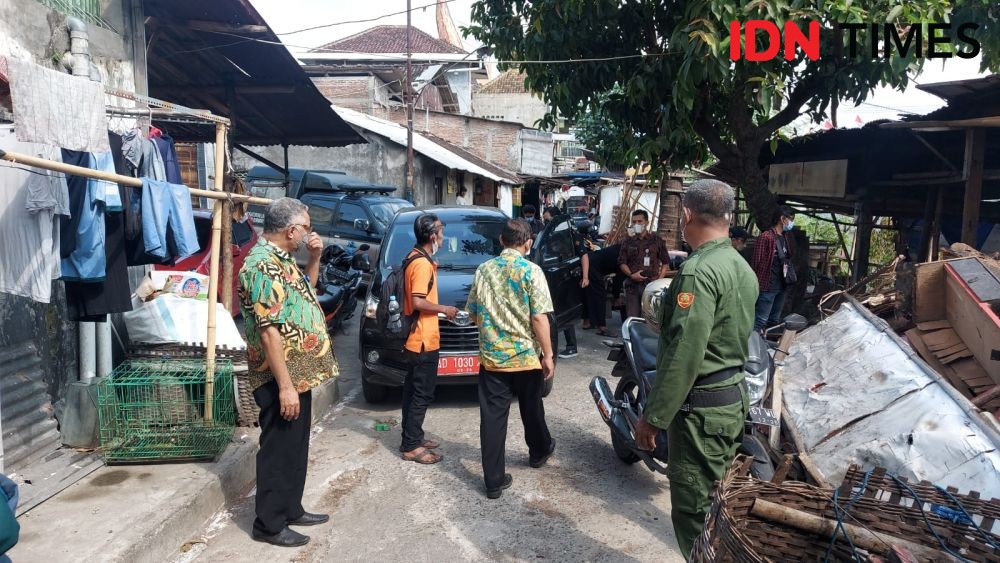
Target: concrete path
x,y
585,505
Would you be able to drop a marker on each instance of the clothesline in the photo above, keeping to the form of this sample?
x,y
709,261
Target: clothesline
x,y
55,166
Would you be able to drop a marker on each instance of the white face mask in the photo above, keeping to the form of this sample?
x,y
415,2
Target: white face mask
x,y
638,228
434,248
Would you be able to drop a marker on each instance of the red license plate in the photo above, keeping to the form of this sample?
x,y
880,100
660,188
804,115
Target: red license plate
x,y
458,365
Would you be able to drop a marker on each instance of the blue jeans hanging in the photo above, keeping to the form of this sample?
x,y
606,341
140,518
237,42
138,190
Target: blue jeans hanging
x,y
166,204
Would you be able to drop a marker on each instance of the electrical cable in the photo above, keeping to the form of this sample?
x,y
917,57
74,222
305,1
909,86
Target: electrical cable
x,y
315,27
919,502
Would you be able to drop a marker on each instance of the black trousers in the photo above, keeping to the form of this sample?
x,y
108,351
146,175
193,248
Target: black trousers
x,y
496,390
570,334
597,300
282,460
418,393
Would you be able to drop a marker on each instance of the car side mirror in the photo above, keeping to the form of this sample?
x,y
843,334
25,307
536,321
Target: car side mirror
x,y
364,248
362,225
796,322
361,262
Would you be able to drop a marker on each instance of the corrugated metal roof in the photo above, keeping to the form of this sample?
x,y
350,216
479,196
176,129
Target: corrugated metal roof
x,y
430,146
220,55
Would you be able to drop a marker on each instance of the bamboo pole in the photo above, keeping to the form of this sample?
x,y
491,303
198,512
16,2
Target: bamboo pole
x,y
226,247
213,270
873,542
55,166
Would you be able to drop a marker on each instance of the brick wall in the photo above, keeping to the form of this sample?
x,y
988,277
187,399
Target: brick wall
x,y
354,92
496,141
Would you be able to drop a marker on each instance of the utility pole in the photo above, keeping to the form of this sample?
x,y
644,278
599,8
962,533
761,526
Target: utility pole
x,y
408,95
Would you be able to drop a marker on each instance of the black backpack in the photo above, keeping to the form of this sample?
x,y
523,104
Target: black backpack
x,y
395,285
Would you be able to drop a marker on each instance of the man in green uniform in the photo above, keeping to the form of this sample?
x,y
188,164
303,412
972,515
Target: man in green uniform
x,y
699,396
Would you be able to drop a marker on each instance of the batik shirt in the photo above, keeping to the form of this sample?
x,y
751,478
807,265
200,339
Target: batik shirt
x,y
273,292
506,292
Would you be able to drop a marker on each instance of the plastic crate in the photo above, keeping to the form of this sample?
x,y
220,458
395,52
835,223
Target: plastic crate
x,y
153,410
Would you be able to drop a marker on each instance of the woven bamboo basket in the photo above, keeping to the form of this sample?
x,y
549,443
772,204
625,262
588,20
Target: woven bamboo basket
x,y
872,501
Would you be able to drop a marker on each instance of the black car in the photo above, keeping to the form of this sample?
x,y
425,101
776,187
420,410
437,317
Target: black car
x,y
472,236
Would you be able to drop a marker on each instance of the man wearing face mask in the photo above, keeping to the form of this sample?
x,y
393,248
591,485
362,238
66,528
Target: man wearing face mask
x,y
699,396
772,262
528,213
289,353
642,258
424,343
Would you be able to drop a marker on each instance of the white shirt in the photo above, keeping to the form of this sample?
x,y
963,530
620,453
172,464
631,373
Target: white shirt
x,y
459,200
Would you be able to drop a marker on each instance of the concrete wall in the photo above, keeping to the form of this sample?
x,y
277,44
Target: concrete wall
x,y
380,161
519,108
495,141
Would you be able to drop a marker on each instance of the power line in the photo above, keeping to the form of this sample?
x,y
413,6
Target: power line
x,y
382,17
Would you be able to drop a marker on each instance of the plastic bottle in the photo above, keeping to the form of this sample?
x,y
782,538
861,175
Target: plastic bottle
x,y
395,325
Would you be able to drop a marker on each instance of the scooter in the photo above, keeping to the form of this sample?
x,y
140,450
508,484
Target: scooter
x,y
635,365
339,280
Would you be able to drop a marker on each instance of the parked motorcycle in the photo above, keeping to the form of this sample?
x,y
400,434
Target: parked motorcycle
x,y
339,282
635,365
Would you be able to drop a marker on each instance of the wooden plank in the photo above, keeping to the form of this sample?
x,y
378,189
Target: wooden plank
x,y
914,336
986,397
966,353
960,347
975,151
774,436
928,303
974,322
941,339
934,325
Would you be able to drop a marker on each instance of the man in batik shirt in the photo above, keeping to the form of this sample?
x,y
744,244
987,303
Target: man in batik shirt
x,y
510,302
289,353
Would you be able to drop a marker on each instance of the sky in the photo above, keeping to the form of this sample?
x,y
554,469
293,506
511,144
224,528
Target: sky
x,y
291,15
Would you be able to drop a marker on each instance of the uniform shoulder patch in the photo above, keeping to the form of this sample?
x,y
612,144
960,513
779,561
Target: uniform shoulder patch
x,y
685,300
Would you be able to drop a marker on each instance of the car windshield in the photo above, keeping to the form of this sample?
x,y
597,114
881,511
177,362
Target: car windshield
x,y
384,211
467,243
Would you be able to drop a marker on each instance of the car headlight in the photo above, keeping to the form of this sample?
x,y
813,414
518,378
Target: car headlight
x,y
371,306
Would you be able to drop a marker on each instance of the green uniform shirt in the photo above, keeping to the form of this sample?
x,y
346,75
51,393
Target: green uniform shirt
x,y
707,318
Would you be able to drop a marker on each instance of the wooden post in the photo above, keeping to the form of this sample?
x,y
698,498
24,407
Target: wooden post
x,y
975,151
213,271
863,240
935,243
926,237
226,247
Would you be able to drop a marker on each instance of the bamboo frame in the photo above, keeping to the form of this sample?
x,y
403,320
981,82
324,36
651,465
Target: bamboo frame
x,y
217,194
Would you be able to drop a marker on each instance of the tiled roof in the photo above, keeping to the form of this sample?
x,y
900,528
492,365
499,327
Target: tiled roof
x,y
510,82
389,39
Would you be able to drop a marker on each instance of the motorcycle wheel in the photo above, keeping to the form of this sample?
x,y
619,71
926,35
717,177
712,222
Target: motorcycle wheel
x,y
763,467
626,387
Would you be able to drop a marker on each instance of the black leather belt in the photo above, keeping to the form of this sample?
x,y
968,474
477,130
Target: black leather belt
x,y
705,398
717,377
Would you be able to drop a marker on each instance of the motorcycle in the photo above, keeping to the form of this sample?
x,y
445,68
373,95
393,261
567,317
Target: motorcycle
x,y
339,279
635,366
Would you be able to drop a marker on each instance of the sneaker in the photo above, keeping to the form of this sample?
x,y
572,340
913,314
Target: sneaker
x,y
568,353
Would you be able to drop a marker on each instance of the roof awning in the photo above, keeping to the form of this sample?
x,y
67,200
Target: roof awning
x,y
431,147
222,56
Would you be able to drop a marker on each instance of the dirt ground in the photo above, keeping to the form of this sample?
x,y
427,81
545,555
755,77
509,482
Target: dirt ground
x,y
584,505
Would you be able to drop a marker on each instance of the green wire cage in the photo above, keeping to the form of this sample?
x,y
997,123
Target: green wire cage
x,y
154,410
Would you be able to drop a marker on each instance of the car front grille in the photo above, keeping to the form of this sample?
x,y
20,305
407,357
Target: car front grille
x,y
462,339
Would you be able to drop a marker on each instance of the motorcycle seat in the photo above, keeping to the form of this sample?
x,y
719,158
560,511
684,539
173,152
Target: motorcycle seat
x,y
644,343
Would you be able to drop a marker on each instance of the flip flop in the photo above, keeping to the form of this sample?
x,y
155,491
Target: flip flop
x,y
430,445
422,456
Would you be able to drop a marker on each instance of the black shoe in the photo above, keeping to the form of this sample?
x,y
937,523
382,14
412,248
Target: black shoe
x,y
536,463
568,353
310,519
508,480
285,538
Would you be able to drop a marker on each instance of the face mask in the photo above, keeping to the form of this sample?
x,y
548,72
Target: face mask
x,y
638,229
434,248
789,226
529,217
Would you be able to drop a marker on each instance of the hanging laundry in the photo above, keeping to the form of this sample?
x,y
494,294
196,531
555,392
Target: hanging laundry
x,y
54,108
135,246
30,201
172,168
83,235
104,162
142,156
166,206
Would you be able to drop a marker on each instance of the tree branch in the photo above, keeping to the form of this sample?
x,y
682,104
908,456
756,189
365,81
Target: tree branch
x,y
721,149
800,95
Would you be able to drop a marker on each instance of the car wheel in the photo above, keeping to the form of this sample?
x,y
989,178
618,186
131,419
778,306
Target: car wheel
x,y
626,387
373,392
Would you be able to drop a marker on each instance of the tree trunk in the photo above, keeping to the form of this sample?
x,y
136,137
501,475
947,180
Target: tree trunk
x,y
668,226
760,201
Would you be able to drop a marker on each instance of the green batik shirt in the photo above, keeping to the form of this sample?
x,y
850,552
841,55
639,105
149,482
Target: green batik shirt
x,y
273,292
707,318
506,292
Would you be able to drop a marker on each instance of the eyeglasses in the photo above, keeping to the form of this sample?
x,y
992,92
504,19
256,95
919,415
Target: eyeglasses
x,y
306,227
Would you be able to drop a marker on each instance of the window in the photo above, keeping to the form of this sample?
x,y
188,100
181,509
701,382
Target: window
x,y
87,10
558,245
384,212
346,215
321,216
467,243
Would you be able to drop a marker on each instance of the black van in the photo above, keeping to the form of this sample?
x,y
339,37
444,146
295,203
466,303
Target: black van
x,y
472,237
